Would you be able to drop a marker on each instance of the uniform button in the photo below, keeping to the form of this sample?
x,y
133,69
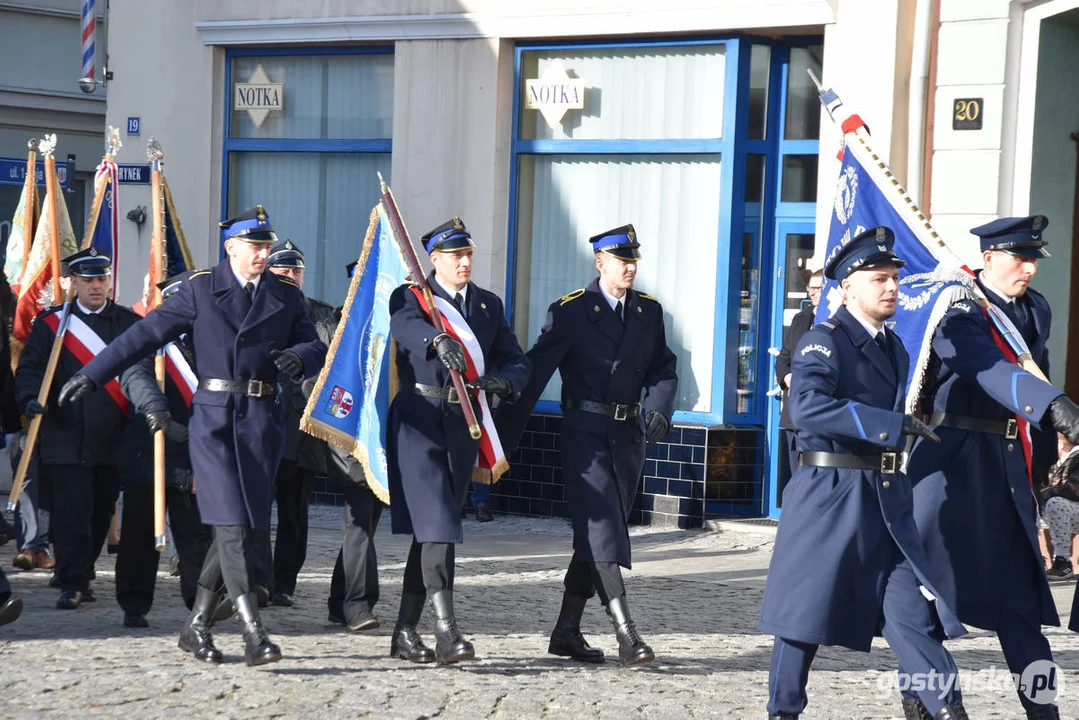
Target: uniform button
x,y
242,338
886,484
1028,409
884,436
1013,491
1011,446
889,525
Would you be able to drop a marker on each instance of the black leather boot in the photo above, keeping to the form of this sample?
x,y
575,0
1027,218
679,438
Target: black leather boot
x,y
1041,712
567,640
258,649
195,637
406,643
914,709
450,646
955,711
632,650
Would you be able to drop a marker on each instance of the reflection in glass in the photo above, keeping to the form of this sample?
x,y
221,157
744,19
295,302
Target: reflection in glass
x,y
803,106
799,178
759,67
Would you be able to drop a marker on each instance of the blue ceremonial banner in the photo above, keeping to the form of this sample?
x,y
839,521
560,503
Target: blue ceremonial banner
x,y
927,286
177,255
350,404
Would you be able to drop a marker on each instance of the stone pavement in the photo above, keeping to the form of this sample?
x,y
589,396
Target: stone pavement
x,y
695,596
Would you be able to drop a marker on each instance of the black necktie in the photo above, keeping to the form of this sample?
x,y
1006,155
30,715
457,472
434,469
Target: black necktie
x,y
618,312
460,303
249,289
882,342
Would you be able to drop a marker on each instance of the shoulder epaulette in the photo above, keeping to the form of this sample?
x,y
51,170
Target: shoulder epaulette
x,y
647,297
570,296
197,273
829,324
287,281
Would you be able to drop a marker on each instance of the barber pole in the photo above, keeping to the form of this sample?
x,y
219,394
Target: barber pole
x,y
89,29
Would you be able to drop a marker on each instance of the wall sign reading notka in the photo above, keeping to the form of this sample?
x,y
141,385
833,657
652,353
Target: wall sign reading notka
x,y
554,93
259,96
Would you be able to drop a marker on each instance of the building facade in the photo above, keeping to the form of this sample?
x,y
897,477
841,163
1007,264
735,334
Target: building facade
x,y
542,123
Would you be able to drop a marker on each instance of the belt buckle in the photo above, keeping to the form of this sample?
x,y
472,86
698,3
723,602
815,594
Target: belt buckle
x,y
1011,430
254,388
888,463
452,396
621,412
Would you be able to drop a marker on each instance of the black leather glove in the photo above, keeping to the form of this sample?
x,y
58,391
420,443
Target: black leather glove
x,y
177,432
451,353
288,363
914,426
1063,414
656,426
34,408
493,385
75,388
159,420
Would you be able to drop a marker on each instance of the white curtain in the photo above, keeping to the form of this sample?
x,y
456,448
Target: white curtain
x,y
671,200
320,201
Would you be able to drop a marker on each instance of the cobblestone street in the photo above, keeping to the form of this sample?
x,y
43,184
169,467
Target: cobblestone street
x,y
695,596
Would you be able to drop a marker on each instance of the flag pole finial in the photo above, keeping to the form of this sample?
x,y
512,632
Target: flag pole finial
x,y
153,150
47,145
381,182
112,141
32,144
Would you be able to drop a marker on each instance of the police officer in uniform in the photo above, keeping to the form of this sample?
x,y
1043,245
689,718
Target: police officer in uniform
x,y
430,452
305,456
78,449
10,604
137,561
972,495
609,343
847,562
248,329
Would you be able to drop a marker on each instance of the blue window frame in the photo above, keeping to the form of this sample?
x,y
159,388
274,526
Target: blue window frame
x,y
727,222
326,144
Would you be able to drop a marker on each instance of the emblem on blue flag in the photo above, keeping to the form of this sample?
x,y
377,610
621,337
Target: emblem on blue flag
x,y
349,405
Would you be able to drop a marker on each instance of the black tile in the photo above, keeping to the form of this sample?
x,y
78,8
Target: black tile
x,y
543,441
526,439
560,509
636,517
655,485
518,506
649,467
674,436
645,502
699,454
694,436
531,490
692,472
656,451
532,456
541,474
556,475
508,487
691,507
535,423
552,423
668,469
553,492
681,453
681,488
542,508
551,458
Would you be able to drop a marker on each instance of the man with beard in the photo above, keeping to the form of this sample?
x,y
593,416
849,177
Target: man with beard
x,y
847,563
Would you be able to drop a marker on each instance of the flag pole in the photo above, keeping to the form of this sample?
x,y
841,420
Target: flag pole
x,y
155,155
113,141
31,205
854,128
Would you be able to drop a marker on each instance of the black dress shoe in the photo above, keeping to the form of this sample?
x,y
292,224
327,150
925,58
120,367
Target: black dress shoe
x,y
954,711
632,650
281,599
484,514
406,644
1040,712
258,648
262,595
69,600
135,620
915,709
54,581
364,621
88,596
566,639
450,646
10,609
337,619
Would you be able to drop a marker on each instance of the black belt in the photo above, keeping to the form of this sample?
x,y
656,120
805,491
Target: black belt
x,y
250,388
449,393
885,463
1008,428
618,412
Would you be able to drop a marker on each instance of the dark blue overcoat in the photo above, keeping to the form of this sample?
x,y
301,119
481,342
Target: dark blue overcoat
x,y
429,451
604,361
972,496
837,537
236,441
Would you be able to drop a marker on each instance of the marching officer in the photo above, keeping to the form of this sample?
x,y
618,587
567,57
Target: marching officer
x,y
10,604
137,561
609,343
972,494
431,454
847,562
247,328
77,449
305,455
354,587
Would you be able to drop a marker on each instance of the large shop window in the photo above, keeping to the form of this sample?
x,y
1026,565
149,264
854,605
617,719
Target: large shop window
x,y
630,134
312,158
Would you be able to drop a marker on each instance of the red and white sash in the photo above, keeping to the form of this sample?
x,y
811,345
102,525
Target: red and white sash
x,y
180,372
491,457
85,344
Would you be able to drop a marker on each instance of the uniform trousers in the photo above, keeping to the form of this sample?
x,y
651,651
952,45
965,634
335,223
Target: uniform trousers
x,y
910,626
1019,627
83,501
354,585
429,568
290,549
228,564
136,565
585,579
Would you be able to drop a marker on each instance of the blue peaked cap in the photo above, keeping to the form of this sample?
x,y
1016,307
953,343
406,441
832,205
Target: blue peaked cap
x,y
285,254
90,262
620,242
251,225
1020,236
869,248
447,237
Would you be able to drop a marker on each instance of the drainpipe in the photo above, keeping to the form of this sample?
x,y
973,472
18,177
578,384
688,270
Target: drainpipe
x,y
919,80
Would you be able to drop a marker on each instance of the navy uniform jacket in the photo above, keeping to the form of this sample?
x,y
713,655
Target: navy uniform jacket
x,y
972,495
236,441
838,537
800,324
602,361
86,433
429,451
